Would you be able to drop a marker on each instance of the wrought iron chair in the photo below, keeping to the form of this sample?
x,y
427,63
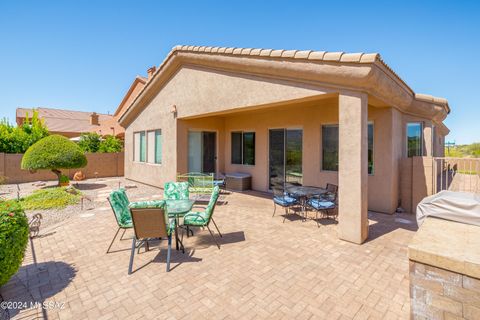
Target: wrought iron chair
x,y
203,218
326,204
282,199
150,220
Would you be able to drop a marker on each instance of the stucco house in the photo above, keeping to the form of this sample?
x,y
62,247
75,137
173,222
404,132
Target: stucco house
x,y
309,116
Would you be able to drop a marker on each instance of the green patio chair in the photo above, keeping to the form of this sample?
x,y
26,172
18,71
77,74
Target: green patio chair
x,y
119,202
150,221
203,218
176,191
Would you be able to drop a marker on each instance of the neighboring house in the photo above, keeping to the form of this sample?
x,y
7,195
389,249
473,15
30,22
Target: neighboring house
x,y
71,123
284,115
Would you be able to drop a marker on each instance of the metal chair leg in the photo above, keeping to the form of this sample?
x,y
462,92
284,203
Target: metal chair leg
x,y
132,254
211,233
169,252
114,237
274,209
285,216
121,238
217,228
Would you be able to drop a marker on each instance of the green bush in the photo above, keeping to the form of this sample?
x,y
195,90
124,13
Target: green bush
x,y
110,144
90,142
54,152
19,139
13,239
51,198
64,179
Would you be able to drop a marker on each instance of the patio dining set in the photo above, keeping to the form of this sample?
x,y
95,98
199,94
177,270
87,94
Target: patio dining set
x,y
300,199
174,215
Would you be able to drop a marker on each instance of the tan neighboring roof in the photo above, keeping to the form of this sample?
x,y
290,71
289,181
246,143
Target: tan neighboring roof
x,y
381,79
136,86
70,121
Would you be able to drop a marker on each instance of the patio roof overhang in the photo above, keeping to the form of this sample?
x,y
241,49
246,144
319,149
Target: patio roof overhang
x,y
365,72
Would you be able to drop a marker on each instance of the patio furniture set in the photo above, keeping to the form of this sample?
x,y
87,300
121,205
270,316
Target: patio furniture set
x,y
322,201
162,219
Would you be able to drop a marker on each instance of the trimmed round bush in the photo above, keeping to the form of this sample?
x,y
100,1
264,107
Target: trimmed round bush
x,y
13,239
54,152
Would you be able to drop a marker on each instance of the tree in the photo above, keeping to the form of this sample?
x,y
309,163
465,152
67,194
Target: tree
x,y
110,144
89,142
18,139
54,152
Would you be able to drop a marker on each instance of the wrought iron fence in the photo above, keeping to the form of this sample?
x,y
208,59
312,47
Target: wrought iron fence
x,y
456,174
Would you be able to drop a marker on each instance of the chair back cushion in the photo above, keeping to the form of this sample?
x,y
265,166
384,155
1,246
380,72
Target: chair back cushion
x,y
332,188
119,202
212,202
150,223
176,191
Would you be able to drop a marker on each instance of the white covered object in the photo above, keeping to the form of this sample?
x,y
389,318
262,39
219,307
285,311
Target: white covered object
x,y
449,205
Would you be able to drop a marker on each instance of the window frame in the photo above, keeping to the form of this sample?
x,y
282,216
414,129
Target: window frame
x,y
147,161
242,147
338,126
139,145
422,127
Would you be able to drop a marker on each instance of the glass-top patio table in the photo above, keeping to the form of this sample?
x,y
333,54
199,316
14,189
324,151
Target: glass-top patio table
x,y
177,209
302,193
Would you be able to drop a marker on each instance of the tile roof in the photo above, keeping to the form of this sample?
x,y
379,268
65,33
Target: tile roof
x,y
71,121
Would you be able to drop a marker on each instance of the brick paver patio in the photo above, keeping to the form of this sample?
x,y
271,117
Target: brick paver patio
x,y
265,269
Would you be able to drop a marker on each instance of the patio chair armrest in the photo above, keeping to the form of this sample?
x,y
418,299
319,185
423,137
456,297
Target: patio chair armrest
x,y
197,216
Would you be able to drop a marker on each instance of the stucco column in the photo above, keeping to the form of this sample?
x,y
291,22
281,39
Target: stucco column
x,y
427,139
353,167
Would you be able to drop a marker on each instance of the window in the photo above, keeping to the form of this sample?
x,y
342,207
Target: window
x,y
370,148
414,139
154,146
243,148
330,148
140,146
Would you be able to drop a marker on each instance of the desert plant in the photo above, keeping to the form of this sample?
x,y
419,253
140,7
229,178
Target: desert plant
x,y
89,142
110,144
13,239
18,139
54,152
64,179
51,198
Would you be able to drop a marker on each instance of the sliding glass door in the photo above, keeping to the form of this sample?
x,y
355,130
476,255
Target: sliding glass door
x,y
202,151
285,156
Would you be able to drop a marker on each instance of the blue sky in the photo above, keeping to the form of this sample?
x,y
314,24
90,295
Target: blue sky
x,y
83,55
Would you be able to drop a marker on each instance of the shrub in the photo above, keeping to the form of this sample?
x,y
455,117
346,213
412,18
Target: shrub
x,y
51,198
64,179
110,144
54,152
89,142
13,239
19,139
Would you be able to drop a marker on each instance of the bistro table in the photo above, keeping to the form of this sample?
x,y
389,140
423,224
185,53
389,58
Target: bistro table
x,y
177,209
302,193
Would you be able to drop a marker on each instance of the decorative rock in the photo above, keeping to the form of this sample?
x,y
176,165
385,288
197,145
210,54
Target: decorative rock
x,y
79,176
130,186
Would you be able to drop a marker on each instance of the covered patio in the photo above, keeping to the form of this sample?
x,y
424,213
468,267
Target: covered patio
x,y
265,268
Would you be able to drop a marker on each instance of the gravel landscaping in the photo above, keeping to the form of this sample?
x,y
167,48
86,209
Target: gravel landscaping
x,y
94,191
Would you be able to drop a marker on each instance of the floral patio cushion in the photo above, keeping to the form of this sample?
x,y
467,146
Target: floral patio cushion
x,y
176,191
119,202
202,218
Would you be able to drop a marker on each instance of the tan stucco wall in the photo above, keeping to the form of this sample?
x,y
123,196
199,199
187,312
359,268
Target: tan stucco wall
x,y
309,116
209,100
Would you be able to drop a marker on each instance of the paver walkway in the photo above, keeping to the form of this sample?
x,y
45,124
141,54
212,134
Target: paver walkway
x,y
265,269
